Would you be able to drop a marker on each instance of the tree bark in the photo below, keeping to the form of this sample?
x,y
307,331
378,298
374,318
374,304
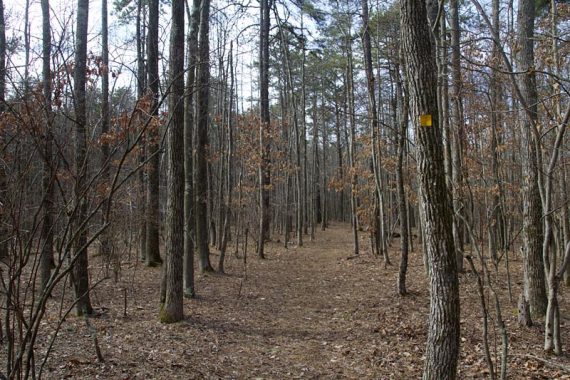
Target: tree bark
x,y
141,85
80,267
173,308
3,230
442,349
402,207
153,148
351,144
457,131
225,228
373,125
534,276
203,100
189,231
46,258
105,237
264,128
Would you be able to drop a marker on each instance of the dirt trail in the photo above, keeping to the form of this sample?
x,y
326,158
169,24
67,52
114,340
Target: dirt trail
x,y
306,312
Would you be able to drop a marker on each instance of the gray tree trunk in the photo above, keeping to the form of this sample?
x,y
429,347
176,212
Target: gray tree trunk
x,y
173,308
46,258
3,231
201,174
80,271
442,349
141,85
264,128
351,144
153,148
534,276
189,232
402,207
105,237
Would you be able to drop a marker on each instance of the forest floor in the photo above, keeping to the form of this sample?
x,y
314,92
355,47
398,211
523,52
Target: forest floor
x,y
315,312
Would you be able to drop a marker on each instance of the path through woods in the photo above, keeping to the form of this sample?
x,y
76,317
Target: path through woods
x,y
313,312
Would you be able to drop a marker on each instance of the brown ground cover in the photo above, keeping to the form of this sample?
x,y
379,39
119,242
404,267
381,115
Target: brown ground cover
x,y
313,312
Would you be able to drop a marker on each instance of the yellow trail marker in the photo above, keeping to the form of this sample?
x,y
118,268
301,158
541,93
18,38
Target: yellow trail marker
x,y
425,120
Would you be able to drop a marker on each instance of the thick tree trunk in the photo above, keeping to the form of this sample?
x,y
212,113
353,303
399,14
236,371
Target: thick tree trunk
x,y
173,308
534,276
442,349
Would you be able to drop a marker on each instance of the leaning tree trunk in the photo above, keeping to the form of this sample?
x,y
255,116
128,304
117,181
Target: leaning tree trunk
x,y
173,308
80,271
442,349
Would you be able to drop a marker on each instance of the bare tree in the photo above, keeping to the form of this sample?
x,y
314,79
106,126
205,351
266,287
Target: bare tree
x,y
173,308
534,277
48,163
201,174
442,349
264,128
80,270
152,209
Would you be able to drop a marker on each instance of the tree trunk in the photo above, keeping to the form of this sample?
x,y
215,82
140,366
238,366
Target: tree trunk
x,y
46,259
534,276
298,137
201,180
442,349
189,235
141,85
264,128
153,149
402,208
457,131
351,147
173,308
105,237
225,228
3,232
80,267
373,120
